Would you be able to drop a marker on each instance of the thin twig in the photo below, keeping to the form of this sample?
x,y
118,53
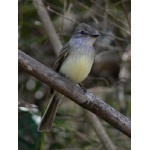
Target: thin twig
x,y
51,10
116,37
109,13
102,32
63,16
126,14
64,12
113,23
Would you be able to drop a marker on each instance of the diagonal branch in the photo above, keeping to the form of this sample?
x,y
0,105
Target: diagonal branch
x,y
85,99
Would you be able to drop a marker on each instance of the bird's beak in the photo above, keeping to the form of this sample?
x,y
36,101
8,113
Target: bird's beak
x,y
96,34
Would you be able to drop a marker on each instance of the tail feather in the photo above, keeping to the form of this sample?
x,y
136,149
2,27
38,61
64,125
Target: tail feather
x,y
50,113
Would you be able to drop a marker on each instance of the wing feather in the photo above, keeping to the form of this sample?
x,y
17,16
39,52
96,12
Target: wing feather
x,y
62,56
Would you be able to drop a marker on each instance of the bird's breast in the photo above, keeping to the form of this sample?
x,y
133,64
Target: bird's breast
x,y
77,66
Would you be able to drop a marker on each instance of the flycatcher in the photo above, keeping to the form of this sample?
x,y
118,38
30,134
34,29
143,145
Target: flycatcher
x,y
74,63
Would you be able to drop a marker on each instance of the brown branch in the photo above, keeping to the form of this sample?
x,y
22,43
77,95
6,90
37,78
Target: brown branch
x,y
85,99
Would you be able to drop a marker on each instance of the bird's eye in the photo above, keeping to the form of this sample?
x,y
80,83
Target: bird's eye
x,y
82,32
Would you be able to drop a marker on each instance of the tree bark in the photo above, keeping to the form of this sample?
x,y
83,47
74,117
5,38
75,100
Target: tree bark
x,y
85,99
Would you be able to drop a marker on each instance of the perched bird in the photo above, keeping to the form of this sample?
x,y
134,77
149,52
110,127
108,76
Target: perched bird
x,y
74,63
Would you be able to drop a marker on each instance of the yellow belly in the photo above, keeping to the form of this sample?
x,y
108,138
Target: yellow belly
x,y
77,68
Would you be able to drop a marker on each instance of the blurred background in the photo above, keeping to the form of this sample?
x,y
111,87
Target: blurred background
x,y
109,78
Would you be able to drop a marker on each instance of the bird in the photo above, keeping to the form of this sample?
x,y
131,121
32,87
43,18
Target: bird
x,y
74,62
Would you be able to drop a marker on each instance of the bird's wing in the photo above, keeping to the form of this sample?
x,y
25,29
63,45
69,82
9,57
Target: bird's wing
x,y
62,56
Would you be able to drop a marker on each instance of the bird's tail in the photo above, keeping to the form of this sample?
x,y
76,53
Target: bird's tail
x,y
50,113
